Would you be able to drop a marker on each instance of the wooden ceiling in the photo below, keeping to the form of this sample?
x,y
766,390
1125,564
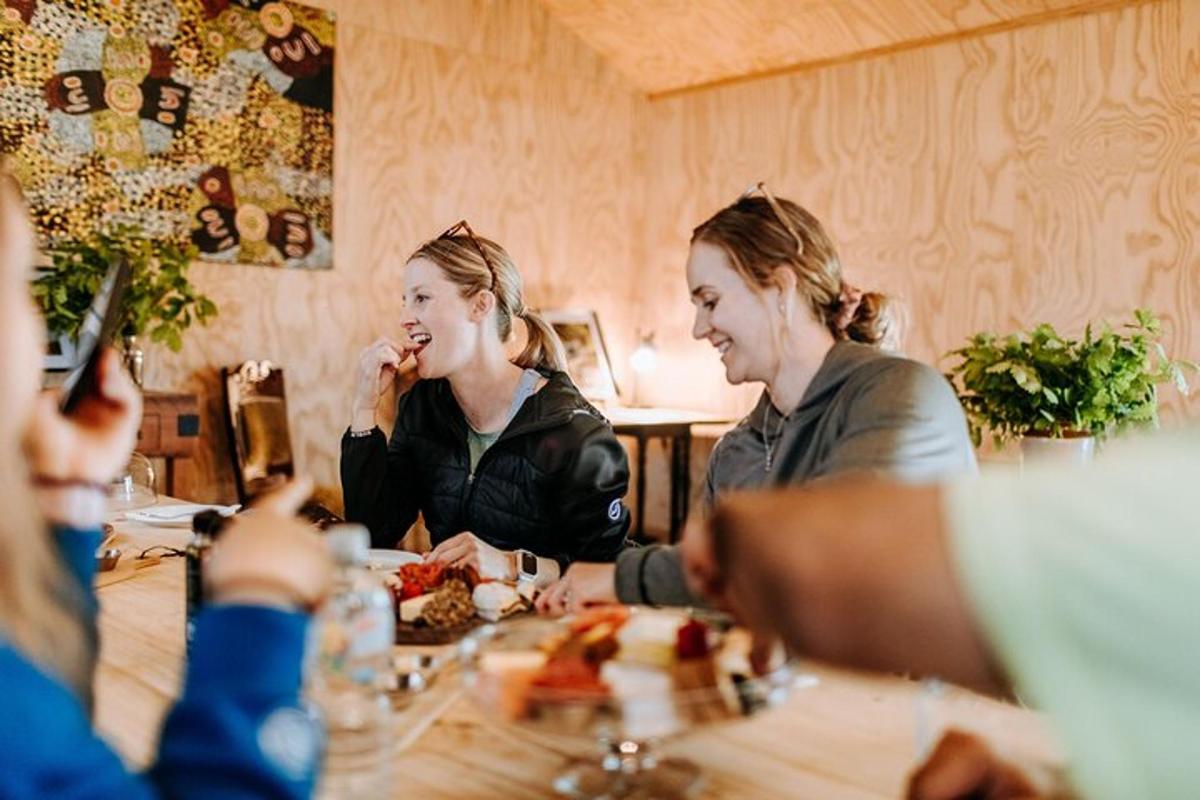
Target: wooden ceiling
x,y
665,46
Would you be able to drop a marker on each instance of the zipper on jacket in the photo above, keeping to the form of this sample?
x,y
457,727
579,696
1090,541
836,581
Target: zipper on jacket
x,y
468,490
469,494
506,436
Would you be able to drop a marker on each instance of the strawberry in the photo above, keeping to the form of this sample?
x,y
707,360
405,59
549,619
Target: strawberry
x,y
692,640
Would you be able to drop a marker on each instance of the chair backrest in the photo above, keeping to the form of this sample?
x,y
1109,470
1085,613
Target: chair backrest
x,y
257,424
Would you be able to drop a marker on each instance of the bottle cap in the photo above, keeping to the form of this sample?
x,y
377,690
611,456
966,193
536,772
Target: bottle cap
x,y
209,522
348,544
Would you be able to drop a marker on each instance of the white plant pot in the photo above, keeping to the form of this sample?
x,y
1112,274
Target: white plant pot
x,y
1071,451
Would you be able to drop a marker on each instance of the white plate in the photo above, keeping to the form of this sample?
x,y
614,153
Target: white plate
x,y
391,559
178,515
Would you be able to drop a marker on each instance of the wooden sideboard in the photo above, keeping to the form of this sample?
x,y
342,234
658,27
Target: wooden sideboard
x,y
170,429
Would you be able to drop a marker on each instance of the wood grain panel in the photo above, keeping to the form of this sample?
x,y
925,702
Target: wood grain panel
x,y
1044,174
1051,172
516,32
427,134
668,46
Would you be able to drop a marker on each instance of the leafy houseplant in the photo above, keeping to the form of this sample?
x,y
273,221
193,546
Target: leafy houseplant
x,y
161,301
1042,384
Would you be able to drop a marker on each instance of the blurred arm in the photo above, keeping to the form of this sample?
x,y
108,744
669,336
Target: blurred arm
x,y
858,573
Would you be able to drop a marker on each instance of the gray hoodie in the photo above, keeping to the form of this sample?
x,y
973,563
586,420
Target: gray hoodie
x,y
866,410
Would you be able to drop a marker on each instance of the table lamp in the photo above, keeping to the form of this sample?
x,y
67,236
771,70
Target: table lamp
x,y
644,359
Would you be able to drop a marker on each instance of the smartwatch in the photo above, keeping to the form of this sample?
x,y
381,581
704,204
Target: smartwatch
x,y
527,566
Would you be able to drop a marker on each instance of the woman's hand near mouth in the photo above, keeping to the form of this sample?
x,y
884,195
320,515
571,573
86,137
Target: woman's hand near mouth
x,y
378,367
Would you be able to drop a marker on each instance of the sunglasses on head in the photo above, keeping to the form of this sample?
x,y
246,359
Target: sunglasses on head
x,y
463,226
762,189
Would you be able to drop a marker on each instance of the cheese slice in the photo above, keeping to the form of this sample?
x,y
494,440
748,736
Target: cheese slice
x,y
412,608
650,638
501,662
495,600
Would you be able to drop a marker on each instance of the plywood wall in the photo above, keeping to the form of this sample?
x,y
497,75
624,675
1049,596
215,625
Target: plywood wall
x,y
444,109
1050,173
710,41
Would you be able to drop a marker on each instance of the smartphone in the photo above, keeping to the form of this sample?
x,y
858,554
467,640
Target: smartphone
x,y
99,327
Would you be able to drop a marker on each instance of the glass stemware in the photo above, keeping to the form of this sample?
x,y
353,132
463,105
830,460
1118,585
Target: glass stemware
x,y
617,732
134,487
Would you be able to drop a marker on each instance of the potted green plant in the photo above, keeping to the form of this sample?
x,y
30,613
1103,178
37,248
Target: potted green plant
x,y
161,301
1051,392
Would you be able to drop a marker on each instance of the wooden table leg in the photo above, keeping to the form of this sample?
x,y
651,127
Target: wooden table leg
x,y
170,475
640,529
681,482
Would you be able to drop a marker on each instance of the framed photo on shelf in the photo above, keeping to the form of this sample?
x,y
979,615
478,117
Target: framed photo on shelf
x,y
588,363
60,354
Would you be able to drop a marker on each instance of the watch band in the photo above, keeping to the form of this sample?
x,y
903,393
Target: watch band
x,y
523,574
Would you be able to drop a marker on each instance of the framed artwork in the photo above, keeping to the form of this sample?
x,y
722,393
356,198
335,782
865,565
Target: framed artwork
x,y
201,121
588,363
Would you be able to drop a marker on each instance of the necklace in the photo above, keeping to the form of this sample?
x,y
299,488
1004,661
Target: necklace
x,y
770,443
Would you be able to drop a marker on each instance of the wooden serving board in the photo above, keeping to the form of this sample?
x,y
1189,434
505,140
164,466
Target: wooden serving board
x,y
408,633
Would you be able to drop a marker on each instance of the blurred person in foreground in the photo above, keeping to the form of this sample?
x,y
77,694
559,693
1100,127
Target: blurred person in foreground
x,y
1077,588
238,730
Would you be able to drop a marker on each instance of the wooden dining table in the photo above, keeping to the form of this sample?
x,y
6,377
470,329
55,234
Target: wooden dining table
x,y
840,735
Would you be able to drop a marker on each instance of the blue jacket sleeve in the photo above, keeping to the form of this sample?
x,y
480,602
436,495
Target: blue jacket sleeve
x,y
239,730
77,549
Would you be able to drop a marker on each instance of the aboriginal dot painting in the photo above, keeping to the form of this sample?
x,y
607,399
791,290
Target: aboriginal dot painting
x,y
202,121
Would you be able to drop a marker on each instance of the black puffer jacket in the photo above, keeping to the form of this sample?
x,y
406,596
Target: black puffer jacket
x,y
552,483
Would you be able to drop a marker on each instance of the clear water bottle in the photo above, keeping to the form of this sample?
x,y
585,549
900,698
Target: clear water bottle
x,y
355,633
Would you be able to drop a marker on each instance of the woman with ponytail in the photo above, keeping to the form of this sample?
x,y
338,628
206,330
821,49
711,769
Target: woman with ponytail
x,y
515,473
770,296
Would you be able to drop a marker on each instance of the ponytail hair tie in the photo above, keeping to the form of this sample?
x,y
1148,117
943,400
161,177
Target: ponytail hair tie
x,y
848,302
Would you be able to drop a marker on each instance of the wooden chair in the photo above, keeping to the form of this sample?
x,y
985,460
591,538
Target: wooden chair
x,y
260,441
